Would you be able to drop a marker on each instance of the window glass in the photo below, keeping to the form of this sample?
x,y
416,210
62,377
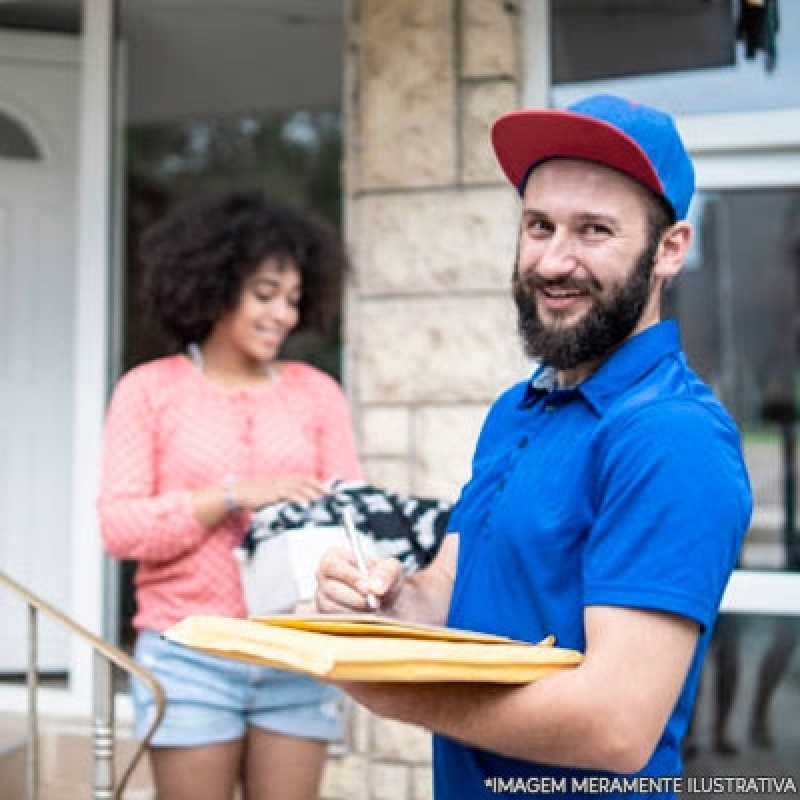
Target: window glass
x,y
295,156
680,55
738,305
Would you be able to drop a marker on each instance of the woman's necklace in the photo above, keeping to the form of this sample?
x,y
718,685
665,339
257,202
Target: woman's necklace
x,y
196,356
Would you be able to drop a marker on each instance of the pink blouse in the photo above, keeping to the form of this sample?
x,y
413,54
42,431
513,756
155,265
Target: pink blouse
x,y
169,432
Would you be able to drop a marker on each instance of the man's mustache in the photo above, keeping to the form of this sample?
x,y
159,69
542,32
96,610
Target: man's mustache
x,y
533,281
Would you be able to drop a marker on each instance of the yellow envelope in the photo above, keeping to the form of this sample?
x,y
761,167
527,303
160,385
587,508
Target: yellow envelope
x,y
369,624
357,648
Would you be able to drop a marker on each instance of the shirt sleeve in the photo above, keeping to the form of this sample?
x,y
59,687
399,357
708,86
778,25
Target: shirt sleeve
x,y
338,457
135,522
674,504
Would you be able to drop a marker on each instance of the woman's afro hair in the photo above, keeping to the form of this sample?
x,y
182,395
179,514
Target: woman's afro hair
x,y
198,257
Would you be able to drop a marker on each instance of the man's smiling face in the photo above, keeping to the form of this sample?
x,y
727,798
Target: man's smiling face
x,y
582,282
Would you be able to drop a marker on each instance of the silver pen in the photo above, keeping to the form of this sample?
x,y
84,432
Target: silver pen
x,y
358,552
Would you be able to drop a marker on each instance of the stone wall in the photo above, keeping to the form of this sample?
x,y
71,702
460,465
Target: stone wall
x,y
430,327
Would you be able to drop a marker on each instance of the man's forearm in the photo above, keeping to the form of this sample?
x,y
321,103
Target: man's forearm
x,y
608,713
552,721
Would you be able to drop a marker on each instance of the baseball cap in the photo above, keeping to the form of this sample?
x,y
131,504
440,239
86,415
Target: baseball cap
x,y
635,139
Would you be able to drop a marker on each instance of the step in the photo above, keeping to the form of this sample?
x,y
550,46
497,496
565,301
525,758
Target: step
x,y
66,765
65,760
13,770
12,756
80,791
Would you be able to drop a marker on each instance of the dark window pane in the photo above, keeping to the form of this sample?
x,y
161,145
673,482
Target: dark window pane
x,y
680,55
745,721
738,304
613,38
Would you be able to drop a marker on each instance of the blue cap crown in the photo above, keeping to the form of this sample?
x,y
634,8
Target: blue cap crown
x,y
637,140
655,133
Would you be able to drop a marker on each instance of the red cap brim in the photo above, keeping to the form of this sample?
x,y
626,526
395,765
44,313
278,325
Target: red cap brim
x,y
523,138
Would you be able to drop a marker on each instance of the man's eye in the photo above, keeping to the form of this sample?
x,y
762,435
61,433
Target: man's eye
x,y
596,229
538,226
263,298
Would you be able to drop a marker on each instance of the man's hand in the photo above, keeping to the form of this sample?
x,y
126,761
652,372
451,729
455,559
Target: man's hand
x,y
342,588
423,596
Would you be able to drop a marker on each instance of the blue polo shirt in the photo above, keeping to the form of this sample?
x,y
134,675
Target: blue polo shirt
x,y
627,490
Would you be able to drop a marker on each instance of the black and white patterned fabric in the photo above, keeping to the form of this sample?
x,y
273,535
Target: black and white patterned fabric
x,y
404,527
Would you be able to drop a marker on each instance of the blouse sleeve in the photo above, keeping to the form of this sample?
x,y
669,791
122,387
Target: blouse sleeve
x,y
338,457
135,522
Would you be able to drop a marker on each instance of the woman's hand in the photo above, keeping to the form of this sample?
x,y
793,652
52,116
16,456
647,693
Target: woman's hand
x,y
254,494
341,587
214,503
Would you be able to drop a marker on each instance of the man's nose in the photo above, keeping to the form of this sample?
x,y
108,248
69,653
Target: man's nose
x,y
557,257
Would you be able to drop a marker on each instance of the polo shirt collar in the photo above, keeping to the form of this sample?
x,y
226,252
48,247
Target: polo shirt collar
x,y
631,361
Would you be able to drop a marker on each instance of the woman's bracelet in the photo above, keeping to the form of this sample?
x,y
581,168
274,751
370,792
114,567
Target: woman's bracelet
x,y
229,494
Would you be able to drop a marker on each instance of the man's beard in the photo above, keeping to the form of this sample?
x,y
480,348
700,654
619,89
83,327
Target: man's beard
x,y
607,323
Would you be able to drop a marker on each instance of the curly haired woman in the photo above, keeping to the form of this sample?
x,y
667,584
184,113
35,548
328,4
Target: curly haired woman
x,y
196,441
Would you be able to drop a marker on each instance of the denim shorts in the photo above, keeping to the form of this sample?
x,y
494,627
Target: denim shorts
x,y
211,699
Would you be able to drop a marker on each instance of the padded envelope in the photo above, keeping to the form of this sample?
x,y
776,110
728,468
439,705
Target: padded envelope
x,y
369,648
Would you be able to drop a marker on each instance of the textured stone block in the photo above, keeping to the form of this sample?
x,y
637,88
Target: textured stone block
x,y
437,241
421,783
385,431
389,782
491,40
360,720
436,351
396,741
444,442
345,779
405,110
356,732
390,473
483,103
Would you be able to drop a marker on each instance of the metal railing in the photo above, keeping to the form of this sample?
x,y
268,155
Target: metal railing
x,y
106,655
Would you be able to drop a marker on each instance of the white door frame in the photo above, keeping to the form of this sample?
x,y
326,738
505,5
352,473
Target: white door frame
x,y
93,302
742,150
95,216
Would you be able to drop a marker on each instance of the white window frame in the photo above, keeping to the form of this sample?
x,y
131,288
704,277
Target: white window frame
x,y
741,150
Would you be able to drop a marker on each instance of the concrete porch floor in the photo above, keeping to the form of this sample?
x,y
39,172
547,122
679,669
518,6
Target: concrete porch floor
x,y
65,762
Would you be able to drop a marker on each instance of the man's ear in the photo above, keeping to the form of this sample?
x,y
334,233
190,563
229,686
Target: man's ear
x,y
672,250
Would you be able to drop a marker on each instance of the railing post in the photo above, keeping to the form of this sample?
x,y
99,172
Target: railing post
x,y
106,655
32,752
103,729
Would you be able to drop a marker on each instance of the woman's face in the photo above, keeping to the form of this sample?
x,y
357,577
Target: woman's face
x,y
268,310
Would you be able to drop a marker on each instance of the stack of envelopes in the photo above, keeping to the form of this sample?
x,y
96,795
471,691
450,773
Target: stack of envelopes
x,y
367,647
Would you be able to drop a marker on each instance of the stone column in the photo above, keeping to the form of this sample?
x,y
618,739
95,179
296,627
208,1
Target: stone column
x,y
430,327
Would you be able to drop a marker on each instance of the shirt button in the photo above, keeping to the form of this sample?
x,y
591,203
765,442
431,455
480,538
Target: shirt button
x,y
523,442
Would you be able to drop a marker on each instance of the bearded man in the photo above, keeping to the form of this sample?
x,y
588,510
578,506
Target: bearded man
x,y
609,497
